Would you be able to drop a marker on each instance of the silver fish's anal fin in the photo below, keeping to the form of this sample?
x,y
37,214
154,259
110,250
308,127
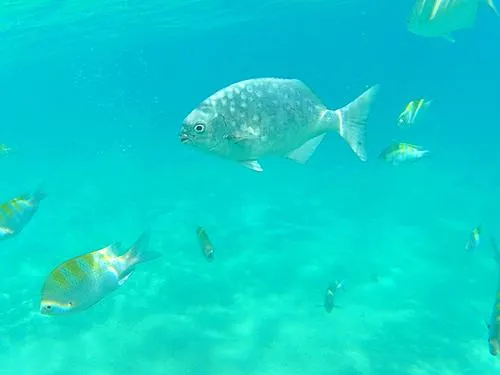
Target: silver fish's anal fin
x,y
252,164
302,154
138,252
125,277
351,121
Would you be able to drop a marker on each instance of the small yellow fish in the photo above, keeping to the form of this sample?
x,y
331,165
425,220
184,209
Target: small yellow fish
x,y
402,152
81,282
494,324
16,213
205,244
4,149
474,239
411,111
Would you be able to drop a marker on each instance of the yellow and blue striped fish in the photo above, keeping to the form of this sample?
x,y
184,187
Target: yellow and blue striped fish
x,y
401,152
409,115
81,282
474,239
494,324
16,213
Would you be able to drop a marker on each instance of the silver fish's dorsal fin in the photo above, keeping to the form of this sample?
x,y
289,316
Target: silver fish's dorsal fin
x,y
252,164
302,154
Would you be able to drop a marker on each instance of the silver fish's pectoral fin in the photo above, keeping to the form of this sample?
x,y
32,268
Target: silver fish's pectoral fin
x,y
237,138
252,164
302,154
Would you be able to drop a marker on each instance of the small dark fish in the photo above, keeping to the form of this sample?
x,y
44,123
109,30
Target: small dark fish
x,y
205,244
331,292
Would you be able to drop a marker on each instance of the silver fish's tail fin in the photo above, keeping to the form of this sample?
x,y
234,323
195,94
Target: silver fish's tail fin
x,y
138,252
351,121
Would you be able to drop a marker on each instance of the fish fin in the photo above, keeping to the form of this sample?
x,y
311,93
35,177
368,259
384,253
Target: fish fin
x,y
492,5
114,248
238,138
125,277
302,154
449,38
5,231
352,119
252,164
138,253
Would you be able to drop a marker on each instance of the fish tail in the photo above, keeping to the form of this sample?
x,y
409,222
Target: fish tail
x,y
492,5
351,121
138,252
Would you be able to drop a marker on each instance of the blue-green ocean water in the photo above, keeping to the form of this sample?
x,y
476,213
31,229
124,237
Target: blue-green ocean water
x,y
92,97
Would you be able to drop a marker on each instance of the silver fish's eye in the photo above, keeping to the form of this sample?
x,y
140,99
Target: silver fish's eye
x,y
199,127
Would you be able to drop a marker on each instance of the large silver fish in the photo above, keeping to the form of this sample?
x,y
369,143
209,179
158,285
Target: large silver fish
x,y
255,118
440,18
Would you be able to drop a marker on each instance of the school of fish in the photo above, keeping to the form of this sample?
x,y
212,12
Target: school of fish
x,y
246,122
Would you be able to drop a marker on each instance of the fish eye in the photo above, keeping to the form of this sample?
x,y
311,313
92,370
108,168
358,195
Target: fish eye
x,y
199,127
48,307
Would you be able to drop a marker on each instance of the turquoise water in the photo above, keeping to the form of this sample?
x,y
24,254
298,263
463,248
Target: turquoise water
x,y
93,96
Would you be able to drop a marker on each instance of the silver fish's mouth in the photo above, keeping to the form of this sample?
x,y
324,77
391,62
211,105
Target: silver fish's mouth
x,y
184,138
